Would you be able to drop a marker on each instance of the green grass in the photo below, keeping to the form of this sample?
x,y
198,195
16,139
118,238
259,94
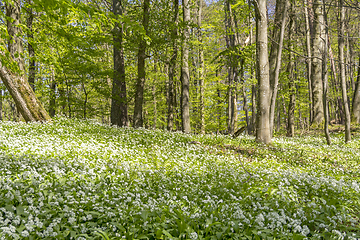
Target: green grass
x,y
75,179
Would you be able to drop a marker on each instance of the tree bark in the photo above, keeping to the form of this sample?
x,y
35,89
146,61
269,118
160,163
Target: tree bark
x,y
1,105
139,95
316,63
356,99
201,70
325,81
274,73
262,60
30,35
341,45
52,102
308,60
172,66
244,96
15,81
292,86
185,74
119,108
231,64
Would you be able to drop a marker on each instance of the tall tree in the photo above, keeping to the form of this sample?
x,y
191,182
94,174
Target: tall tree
x,y
231,41
139,95
341,45
15,80
172,66
325,79
355,111
291,77
52,102
119,108
317,49
30,35
262,61
201,69
185,73
275,59
308,30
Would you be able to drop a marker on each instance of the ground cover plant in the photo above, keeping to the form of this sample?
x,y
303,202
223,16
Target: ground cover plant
x,y
74,179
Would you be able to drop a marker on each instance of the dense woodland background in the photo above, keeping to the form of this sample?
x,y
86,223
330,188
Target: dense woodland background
x,y
191,66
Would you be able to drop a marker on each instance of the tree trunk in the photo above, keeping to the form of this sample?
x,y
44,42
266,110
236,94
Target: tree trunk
x,y
253,109
185,74
325,81
316,63
341,44
262,60
292,86
16,82
244,97
52,102
154,105
308,60
201,70
274,72
139,95
1,105
231,64
119,108
356,99
30,35
86,93
172,67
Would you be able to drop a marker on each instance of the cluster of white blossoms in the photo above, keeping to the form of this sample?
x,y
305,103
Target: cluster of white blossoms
x,y
72,178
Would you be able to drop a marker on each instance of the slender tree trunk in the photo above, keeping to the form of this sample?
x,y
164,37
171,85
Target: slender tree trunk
x,y
140,84
262,59
29,23
1,105
274,44
292,86
325,81
253,108
356,98
341,44
119,108
316,67
201,70
172,67
231,64
155,106
308,60
218,103
278,116
244,97
16,82
185,74
68,99
52,103
86,93
274,73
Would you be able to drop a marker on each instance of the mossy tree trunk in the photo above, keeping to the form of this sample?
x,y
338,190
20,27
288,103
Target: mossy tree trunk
x,y
15,80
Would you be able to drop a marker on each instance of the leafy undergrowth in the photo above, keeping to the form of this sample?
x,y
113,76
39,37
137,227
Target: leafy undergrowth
x,y
75,179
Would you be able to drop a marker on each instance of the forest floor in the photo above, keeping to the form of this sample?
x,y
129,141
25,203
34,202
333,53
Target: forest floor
x,y
75,179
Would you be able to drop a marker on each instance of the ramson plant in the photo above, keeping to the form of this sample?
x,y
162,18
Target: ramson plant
x,y
75,179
